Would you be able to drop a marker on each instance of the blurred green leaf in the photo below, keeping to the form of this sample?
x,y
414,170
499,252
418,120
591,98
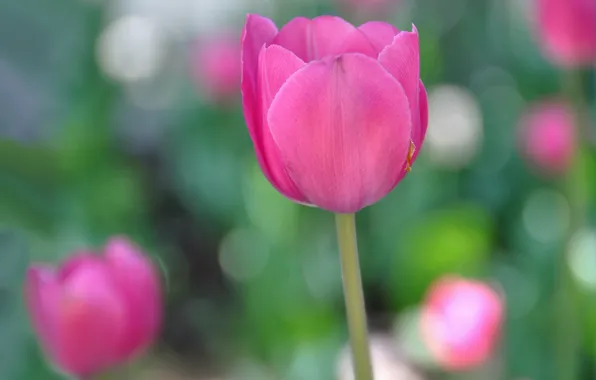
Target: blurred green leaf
x,y
205,162
34,164
454,240
275,215
26,206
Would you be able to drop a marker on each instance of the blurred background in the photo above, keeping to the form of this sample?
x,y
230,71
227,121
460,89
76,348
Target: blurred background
x,y
124,117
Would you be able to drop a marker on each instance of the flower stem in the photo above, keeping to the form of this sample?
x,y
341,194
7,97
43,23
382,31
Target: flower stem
x,y
567,331
353,294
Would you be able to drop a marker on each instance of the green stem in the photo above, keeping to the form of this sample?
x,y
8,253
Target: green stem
x,y
568,334
352,282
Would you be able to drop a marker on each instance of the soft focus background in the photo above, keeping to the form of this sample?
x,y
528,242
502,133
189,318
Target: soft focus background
x,y
124,117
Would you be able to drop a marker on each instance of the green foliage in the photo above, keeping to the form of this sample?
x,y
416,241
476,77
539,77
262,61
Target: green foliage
x,y
455,240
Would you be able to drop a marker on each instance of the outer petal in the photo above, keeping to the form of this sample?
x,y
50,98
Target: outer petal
x,y
257,32
276,64
322,36
138,281
42,293
343,127
74,262
402,60
379,33
91,319
293,36
418,132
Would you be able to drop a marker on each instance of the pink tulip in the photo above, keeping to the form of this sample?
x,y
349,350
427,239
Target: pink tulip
x,y
95,312
567,31
547,137
337,114
215,66
461,321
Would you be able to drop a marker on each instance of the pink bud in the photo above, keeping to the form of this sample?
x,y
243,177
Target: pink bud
x,y
547,136
215,66
461,321
336,113
95,312
567,31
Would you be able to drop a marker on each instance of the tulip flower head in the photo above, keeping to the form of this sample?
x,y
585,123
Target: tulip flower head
x,y
547,137
461,321
215,66
337,114
567,31
95,312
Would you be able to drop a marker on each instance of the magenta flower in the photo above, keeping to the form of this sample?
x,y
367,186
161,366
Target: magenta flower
x,y
567,31
461,322
548,138
215,66
95,312
337,114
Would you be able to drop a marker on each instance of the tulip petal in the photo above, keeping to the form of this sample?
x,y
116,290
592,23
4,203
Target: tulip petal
x,y
379,33
42,293
357,42
276,64
321,37
343,127
418,131
72,263
402,60
258,31
91,315
138,280
293,36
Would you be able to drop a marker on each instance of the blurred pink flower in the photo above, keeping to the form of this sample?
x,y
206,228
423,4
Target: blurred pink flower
x,y
215,66
547,136
567,31
336,113
461,321
94,312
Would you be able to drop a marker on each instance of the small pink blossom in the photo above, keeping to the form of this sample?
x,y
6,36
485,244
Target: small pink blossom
x,y
215,66
547,136
461,321
337,113
95,311
567,31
